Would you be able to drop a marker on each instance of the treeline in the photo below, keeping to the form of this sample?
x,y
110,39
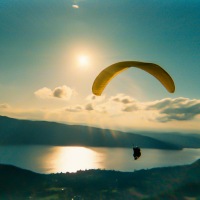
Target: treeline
x,y
178,182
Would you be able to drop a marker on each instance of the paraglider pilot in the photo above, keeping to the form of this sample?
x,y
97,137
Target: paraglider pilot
x,y
136,152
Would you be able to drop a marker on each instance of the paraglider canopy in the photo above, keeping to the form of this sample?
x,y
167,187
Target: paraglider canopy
x,y
136,152
111,71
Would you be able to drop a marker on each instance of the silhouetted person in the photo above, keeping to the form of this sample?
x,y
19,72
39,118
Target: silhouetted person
x,y
136,152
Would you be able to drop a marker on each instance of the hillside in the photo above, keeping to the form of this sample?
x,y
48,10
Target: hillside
x,y
184,140
14,131
160,183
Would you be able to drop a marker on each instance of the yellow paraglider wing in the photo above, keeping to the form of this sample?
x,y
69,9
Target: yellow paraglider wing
x,y
110,72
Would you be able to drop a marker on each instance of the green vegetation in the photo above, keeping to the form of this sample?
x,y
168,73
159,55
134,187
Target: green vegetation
x,y
180,182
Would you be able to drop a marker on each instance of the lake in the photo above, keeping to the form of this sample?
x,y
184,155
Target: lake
x,y
54,159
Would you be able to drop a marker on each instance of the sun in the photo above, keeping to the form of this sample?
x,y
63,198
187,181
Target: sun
x,y
83,61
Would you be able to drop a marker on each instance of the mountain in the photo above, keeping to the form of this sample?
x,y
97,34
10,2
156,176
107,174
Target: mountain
x,y
179,182
14,131
184,140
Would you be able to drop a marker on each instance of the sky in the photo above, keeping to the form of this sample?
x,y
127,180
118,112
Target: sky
x,y
52,50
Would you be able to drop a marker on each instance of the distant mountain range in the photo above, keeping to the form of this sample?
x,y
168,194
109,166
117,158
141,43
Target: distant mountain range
x,y
179,182
183,140
25,132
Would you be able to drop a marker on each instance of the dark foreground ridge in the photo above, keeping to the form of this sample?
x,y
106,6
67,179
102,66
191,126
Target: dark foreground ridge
x,y
180,182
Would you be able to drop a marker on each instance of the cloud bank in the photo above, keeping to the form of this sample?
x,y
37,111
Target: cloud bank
x,y
116,112
180,109
165,110
170,114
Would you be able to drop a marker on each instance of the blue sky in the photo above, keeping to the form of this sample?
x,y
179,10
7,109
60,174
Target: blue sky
x,y
42,77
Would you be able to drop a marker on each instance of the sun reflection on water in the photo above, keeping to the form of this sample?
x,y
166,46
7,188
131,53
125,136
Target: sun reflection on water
x,y
72,159
56,159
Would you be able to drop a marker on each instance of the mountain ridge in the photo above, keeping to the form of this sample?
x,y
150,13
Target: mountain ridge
x,y
15,131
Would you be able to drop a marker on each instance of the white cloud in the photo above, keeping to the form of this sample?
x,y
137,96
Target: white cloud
x,y
121,98
180,109
61,92
44,93
125,103
76,108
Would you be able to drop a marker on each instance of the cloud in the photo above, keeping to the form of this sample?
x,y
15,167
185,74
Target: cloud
x,y
89,107
61,92
179,114
121,98
161,104
94,98
4,106
79,108
44,93
130,108
165,110
115,104
76,108
127,103
180,109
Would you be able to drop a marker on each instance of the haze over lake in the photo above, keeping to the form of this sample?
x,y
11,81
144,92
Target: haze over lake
x,y
55,159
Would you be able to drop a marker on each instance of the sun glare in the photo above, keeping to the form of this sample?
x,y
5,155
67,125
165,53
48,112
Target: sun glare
x,y
83,61
72,159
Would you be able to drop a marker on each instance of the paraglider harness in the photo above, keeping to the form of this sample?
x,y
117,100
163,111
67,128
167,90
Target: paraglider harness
x,y
136,152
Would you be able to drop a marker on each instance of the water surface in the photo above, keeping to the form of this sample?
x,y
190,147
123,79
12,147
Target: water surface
x,y
53,159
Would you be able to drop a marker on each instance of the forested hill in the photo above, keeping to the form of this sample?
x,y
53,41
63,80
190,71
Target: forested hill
x,y
180,182
14,131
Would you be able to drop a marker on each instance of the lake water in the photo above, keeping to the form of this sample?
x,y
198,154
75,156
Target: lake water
x,y
53,159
